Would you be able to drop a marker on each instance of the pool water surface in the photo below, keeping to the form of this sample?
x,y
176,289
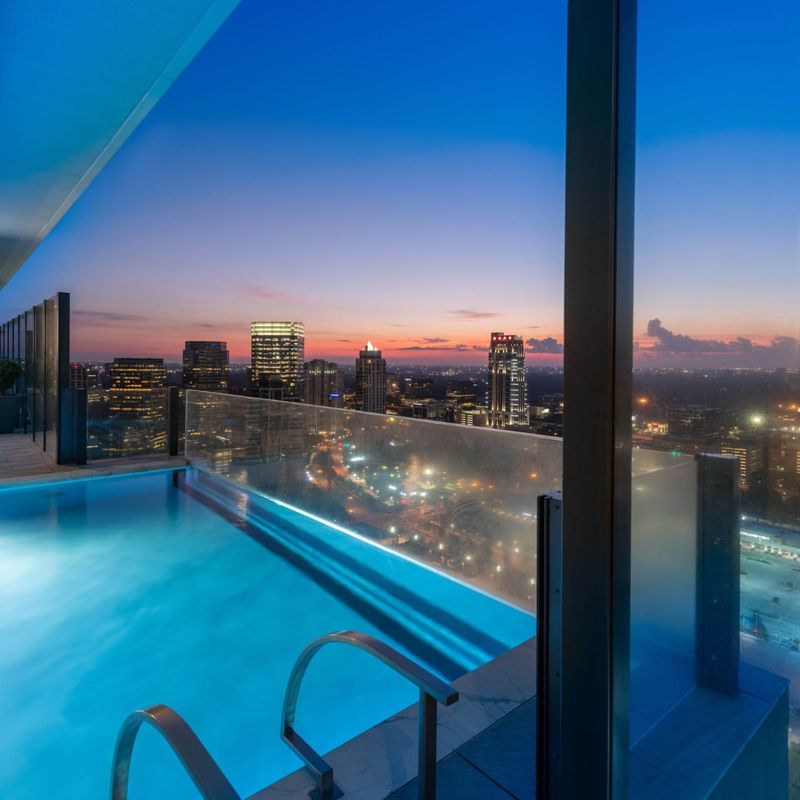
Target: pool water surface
x,y
118,593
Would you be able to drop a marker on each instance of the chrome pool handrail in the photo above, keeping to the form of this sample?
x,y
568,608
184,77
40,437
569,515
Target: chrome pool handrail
x,y
203,770
431,690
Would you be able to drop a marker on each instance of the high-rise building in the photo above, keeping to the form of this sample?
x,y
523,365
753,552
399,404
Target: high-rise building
x,y
137,387
83,376
750,453
77,376
508,387
277,351
371,380
324,384
206,366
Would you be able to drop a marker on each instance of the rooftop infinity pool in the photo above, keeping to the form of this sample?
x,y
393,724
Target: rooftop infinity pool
x,y
119,593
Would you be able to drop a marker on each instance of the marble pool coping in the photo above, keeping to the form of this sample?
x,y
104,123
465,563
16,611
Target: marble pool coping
x,y
384,758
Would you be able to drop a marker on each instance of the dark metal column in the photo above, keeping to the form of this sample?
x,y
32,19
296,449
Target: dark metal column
x,y
598,336
65,441
549,644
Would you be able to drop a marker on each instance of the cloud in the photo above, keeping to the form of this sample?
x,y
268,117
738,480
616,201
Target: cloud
x,y
547,345
109,316
431,340
458,348
211,325
781,351
264,294
468,313
349,341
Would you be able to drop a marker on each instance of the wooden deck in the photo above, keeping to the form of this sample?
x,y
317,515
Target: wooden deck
x,y
20,457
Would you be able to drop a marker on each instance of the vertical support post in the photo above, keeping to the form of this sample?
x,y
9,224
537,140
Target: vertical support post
x,y
549,598
598,355
72,426
718,570
427,746
173,416
80,419
65,443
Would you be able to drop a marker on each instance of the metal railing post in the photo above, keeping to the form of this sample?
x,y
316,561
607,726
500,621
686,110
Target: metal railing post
x,y
427,746
433,690
549,640
173,416
72,416
718,570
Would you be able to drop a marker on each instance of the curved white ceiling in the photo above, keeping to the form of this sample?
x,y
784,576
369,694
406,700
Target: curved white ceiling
x,y
76,78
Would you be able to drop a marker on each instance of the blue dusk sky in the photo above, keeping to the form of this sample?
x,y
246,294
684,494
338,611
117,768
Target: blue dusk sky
x,y
394,171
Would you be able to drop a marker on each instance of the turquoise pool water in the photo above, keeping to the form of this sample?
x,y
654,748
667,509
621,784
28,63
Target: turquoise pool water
x,y
118,593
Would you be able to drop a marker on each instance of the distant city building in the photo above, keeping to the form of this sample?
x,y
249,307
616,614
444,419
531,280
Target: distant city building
x,y
393,387
418,388
137,387
462,393
83,376
692,422
751,458
206,366
324,383
476,417
371,380
432,409
277,351
77,376
508,389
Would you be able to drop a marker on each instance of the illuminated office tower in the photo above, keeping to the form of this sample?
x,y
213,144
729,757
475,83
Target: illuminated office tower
x,y
277,351
324,383
137,408
206,366
137,387
371,380
508,388
750,453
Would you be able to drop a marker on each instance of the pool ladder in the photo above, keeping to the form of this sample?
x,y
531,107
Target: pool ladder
x,y
211,781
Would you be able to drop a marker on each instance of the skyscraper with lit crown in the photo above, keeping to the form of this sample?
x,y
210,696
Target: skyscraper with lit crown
x,y
371,380
508,387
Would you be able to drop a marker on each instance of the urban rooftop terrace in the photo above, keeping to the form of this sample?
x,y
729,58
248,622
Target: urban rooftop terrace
x,y
312,582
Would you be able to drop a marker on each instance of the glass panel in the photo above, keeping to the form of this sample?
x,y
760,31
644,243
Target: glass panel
x,y
457,498
663,584
718,372
38,374
117,430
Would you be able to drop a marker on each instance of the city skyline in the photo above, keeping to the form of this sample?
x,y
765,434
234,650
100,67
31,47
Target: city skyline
x,y
424,203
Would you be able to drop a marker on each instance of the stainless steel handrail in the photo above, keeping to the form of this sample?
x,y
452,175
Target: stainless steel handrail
x,y
431,691
197,761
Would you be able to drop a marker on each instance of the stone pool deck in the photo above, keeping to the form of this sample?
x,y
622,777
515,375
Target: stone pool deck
x,y
384,758
708,746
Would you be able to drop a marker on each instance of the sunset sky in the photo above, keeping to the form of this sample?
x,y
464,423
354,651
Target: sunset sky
x,y
395,172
